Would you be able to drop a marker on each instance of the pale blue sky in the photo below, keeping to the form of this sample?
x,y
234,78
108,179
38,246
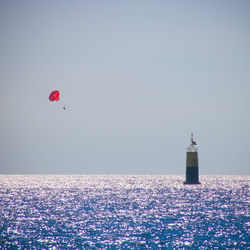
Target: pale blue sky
x,y
137,77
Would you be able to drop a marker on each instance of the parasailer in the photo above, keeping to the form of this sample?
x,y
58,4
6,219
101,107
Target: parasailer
x,y
55,96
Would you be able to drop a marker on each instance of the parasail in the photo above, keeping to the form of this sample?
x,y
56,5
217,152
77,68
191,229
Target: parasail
x,y
54,96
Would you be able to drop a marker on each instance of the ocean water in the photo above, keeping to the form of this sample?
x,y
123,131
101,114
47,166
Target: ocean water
x,y
123,212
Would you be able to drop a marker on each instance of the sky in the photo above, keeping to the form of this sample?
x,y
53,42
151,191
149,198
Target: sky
x,y
136,78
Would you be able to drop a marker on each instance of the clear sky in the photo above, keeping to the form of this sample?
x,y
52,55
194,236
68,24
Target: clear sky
x,y
136,77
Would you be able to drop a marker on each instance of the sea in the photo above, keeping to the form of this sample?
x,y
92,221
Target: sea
x,y
123,212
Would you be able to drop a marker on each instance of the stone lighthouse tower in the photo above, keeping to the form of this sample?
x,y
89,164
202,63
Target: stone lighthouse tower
x,y
192,165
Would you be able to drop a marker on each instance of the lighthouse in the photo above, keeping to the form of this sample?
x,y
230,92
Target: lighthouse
x,y
192,165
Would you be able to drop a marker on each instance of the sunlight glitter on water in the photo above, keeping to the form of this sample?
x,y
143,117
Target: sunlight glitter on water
x,y
48,211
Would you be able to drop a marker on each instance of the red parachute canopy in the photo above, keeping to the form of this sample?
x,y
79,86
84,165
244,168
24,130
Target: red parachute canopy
x,y
54,96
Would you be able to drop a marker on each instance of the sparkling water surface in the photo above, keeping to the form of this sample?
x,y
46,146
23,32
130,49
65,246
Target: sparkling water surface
x,y
123,212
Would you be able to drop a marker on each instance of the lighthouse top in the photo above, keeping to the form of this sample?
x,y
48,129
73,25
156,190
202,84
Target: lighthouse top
x,y
193,146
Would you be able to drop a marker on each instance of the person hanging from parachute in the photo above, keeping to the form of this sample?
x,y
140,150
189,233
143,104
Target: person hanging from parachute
x,y
55,96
